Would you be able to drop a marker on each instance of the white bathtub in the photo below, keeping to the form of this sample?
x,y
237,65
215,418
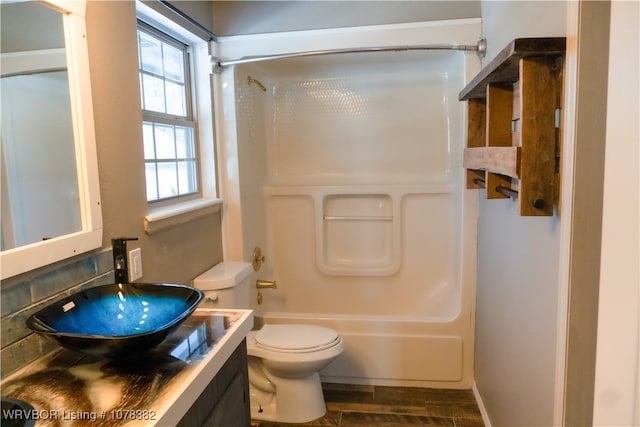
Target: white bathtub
x,y
347,172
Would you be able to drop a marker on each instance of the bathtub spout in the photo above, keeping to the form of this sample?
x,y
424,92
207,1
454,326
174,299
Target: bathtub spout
x,y
262,284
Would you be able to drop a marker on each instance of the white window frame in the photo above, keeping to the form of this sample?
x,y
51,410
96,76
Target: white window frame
x,y
186,120
173,212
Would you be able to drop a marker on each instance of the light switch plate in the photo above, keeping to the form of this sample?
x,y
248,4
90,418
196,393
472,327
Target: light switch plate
x,y
135,264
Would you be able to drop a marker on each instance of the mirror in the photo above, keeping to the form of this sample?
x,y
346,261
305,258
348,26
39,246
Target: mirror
x,y
39,190
48,170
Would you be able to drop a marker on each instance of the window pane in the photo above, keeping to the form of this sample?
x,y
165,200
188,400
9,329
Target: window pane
x,y
184,143
150,53
153,89
167,180
165,142
142,91
175,99
173,63
152,183
147,137
187,177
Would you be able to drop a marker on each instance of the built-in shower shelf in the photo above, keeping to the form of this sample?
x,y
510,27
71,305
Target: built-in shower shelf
x,y
513,120
358,218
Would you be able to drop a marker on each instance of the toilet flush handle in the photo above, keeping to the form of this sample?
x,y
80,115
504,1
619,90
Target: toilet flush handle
x,y
211,296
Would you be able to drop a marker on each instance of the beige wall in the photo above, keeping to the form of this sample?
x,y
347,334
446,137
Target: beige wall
x,y
197,10
252,17
175,255
518,267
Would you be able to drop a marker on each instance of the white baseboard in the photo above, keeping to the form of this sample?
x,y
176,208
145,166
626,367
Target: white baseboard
x,y
483,410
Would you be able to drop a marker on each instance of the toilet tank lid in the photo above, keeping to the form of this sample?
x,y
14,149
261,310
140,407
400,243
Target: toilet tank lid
x,y
224,275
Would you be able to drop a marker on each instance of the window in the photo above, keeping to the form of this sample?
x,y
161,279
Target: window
x,y
177,118
169,126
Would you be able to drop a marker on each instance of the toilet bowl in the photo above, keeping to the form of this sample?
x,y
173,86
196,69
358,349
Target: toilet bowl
x,y
284,359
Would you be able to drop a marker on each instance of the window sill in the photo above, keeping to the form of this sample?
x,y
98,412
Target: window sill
x,y
172,216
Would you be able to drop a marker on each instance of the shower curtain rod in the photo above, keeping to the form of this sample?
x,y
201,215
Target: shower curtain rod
x,y
217,65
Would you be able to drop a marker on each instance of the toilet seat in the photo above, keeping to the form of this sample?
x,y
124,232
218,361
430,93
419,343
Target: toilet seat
x,y
295,338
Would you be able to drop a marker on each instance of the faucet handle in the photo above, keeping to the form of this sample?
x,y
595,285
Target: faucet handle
x,y
120,267
258,258
121,240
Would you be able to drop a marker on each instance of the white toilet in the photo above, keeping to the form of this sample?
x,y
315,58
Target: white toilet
x,y
284,360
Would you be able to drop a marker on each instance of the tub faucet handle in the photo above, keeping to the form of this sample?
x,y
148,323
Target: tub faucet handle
x,y
258,258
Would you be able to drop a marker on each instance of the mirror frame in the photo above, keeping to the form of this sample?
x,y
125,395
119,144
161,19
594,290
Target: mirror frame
x,y
29,257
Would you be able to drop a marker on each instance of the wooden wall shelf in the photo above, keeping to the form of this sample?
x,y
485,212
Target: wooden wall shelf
x,y
513,137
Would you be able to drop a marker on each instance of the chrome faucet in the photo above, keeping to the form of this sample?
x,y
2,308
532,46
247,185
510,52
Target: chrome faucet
x,y
262,284
120,265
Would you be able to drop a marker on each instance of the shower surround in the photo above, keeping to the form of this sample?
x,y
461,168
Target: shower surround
x,y
347,171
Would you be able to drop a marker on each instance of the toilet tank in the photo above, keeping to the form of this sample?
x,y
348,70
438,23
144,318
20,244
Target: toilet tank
x,y
226,285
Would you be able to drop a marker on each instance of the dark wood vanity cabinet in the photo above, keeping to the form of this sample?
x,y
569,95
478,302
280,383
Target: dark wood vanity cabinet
x,y
225,401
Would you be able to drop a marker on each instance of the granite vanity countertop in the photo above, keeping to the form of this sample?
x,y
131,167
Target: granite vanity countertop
x,y
67,388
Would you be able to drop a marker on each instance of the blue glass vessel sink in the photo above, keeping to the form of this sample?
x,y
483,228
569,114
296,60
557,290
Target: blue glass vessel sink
x,y
117,320
16,413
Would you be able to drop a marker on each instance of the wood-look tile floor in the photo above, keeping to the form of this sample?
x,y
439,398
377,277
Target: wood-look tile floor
x,y
378,406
